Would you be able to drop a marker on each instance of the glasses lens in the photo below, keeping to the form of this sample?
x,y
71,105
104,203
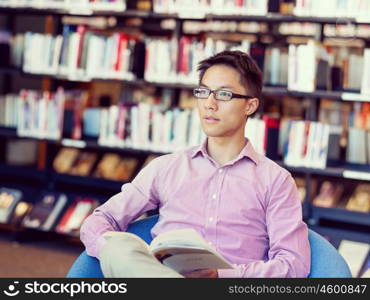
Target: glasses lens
x,y
201,93
223,95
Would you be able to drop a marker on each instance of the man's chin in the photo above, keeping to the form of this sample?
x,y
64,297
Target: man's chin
x,y
210,133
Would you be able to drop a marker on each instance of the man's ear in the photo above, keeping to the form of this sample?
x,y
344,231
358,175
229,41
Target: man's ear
x,y
252,106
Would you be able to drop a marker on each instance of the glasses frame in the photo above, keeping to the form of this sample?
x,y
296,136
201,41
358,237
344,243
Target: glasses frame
x,y
214,92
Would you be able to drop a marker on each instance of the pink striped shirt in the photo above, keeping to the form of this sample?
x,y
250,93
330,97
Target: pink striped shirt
x,y
248,210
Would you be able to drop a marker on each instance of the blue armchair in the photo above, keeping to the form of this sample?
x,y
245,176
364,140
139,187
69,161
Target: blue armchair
x,y
326,262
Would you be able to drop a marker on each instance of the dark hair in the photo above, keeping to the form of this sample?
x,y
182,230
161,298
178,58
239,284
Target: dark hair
x,y
250,73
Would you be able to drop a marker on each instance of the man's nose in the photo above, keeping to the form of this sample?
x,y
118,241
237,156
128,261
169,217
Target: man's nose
x,y
210,102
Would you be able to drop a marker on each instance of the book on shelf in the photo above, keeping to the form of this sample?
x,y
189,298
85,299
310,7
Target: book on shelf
x,y
75,214
355,254
40,115
360,199
8,201
263,135
357,146
45,211
275,70
91,122
65,159
76,101
113,167
83,164
19,213
358,134
183,250
9,110
329,194
5,46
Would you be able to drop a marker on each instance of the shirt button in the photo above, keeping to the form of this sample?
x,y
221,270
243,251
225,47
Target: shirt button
x,y
214,196
210,219
220,170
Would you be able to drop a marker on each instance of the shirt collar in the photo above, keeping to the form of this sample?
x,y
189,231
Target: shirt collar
x,y
247,151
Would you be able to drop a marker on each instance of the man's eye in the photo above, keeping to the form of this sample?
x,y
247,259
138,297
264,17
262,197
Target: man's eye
x,y
224,93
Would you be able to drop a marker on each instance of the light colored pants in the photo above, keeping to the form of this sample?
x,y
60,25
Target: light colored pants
x,y
127,258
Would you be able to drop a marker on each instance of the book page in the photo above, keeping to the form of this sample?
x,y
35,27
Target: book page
x,y
179,238
185,250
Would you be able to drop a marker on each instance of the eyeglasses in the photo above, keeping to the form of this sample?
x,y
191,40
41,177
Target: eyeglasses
x,y
221,95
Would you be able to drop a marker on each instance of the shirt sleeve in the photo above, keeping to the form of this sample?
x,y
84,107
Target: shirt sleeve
x,y
289,248
115,214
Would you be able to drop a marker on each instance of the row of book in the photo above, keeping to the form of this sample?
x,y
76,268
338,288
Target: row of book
x,y
148,122
358,9
73,6
80,53
335,194
199,8
51,211
149,128
346,30
83,53
111,166
34,114
314,66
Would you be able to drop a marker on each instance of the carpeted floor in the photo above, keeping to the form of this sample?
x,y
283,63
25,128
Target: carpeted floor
x,y
36,258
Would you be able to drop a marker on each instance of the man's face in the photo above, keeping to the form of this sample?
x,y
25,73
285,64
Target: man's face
x,y
224,118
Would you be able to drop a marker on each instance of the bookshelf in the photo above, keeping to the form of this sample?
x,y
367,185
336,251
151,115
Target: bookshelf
x,y
313,215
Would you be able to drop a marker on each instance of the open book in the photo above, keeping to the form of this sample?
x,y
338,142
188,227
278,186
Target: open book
x,y
184,250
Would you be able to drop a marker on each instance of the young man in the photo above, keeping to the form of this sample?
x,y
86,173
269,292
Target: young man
x,y
245,205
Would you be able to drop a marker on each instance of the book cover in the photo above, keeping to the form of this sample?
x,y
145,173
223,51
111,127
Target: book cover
x,y
107,165
45,211
20,211
329,194
360,199
125,169
65,159
84,164
76,213
355,254
8,201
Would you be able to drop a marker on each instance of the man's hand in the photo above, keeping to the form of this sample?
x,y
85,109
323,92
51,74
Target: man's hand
x,y
204,273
